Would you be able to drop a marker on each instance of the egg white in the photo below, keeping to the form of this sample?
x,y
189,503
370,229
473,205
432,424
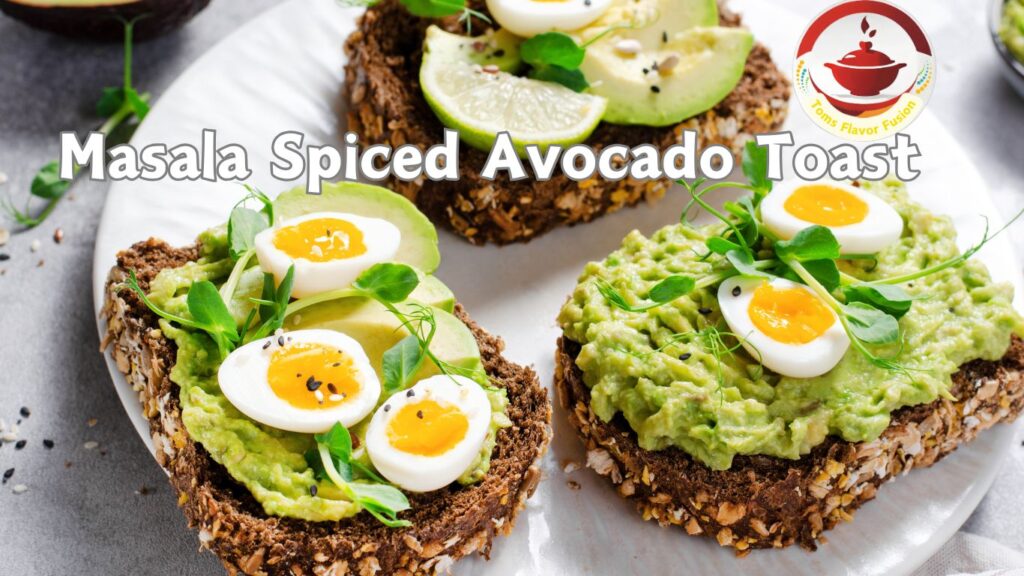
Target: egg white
x,y
881,227
529,18
381,237
418,473
243,380
795,360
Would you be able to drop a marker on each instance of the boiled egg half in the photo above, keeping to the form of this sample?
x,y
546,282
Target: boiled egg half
x,y
784,325
301,381
529,18
328,249
862,222
425,437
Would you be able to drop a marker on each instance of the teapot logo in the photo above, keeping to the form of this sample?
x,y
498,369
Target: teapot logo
x,y
873,91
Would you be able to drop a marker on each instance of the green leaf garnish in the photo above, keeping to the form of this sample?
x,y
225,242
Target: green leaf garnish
x,y
402,361
388,282
47,183
744,264
382,500
571,79
890,299
755,167
663,292
554,49
811,243
871,325
243,226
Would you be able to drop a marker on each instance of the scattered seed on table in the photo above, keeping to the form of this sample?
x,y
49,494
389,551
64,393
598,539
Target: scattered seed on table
x,y
25,412
20,444
35,245
5,235
90,445
7,474
41,263
48,444
91,422
8,437
58,235
5,257
19,488
3,178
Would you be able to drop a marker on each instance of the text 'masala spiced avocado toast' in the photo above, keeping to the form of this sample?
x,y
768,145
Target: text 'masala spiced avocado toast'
x,y
321,402
756,380
597,72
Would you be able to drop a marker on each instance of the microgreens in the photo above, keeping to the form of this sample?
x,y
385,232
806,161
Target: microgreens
x,y
332,460
117,104
556,57
210,313
869,311
665,291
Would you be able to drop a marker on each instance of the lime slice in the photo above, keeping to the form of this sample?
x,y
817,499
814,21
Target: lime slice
x,y
479,101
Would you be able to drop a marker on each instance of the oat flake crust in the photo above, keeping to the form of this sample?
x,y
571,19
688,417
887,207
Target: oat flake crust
x,y
386,106
447,524
766,502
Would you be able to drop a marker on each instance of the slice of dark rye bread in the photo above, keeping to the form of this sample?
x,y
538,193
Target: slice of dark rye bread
x,y
765,502
446,524
386,106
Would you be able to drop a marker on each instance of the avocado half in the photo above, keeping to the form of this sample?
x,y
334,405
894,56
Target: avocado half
x,y
102,19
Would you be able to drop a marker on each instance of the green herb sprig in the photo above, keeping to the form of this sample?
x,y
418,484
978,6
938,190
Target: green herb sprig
x,y
332,460
118,104
431,9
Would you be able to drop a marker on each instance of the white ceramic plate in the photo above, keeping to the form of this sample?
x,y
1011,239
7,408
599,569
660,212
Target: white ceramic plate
x,y
283,71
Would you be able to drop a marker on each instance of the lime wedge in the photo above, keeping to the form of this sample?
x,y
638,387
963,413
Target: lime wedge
x,y
479,101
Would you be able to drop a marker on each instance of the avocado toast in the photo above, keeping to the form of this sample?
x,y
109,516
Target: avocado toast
x,y
386,104
761,397
257,493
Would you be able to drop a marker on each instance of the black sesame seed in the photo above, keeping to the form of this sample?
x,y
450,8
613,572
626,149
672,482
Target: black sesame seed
x,y
655,89
331,387
664,36
387,407
410,393
313,490
266,344
4,257
685,356
25,412
646,70
586,2
280,340
952,311
298,374
336,364
8,473
419,414
704,311
736,291
20,444
312,384
48,443
499,53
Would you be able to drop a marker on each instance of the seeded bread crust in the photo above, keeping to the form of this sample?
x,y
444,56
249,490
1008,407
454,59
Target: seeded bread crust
x,y
764,502
386,106
447,524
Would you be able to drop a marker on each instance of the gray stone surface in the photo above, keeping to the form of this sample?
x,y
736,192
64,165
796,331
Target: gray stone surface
x,y
109,510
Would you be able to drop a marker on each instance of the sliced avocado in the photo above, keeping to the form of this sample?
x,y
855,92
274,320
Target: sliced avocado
x,y
103,19
708,63
419,238
652,22
500,48
377,329
434,292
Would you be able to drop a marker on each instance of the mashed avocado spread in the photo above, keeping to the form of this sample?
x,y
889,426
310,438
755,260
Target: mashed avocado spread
x,y
680,394
267,461
1011,28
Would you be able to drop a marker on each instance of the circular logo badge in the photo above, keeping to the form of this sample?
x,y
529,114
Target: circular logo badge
x,y
864,70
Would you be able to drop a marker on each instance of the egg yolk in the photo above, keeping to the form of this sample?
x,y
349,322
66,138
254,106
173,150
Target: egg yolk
x,y
427,428
826,205
789,315
321,240
311,376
